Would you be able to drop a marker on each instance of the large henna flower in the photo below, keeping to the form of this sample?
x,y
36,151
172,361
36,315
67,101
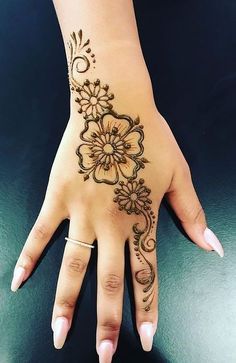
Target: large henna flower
x,y
93,98
112,147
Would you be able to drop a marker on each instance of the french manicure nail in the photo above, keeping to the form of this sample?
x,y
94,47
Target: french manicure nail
x,y
105,351
18,277
146,335
60,330
213,241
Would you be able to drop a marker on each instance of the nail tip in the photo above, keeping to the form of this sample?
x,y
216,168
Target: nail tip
x,y
61,328
14,288
146,336
146,347
105,351
212,240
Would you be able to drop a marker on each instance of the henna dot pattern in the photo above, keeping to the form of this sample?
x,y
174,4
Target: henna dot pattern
x,y
93,98
133,197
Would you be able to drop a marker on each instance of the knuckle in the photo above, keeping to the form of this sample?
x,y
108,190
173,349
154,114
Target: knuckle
x,y
112,211
40,231
146,310
26,259
185,171
111,283
66,303
144,275
111,325
75,265
197,215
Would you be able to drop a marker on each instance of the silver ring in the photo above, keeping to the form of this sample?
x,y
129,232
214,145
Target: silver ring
x,y
84,244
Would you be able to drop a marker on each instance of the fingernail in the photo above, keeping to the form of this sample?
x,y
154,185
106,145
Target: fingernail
x,y
213,241
105,351
61,327
18,277
146,336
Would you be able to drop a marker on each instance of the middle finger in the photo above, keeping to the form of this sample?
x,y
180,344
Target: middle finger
x,y
110,292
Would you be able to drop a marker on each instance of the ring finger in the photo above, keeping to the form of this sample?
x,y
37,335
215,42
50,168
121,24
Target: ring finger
x,y
110,288
73,268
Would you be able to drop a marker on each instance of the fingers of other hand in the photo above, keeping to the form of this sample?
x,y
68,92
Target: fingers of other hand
x,y
184,200
73,268
143,261
110,293
49,218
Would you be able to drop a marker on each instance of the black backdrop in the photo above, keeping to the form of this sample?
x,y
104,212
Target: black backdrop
x,y
190,49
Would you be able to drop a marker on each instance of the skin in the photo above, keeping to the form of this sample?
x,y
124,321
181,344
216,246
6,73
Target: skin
x,y
89,206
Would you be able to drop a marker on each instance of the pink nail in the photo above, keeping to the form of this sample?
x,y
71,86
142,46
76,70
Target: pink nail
x,y
105,351
213,241
146,336
18,277
61,327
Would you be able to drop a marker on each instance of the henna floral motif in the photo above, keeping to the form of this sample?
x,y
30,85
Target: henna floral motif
x,y
80,57
111,150
112,147
132,197
93,98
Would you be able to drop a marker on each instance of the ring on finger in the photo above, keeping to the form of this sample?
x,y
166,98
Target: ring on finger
x,y
81,243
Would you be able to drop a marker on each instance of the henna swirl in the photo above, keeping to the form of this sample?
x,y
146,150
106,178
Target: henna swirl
x,y
79,61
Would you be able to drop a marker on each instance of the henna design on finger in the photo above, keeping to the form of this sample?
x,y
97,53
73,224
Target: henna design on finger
x,y
80,58
132,197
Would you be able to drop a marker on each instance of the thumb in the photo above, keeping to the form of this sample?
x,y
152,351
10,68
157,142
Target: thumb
x,y
183,199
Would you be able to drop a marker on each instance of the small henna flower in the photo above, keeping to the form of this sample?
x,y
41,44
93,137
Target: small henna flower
x,y
112,146
133,196
93,98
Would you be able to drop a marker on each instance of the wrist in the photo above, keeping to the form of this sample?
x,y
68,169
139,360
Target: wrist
x,y
124,91
115,70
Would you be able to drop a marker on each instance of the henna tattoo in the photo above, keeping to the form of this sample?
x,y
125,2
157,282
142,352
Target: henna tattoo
x,y
80,58
112,148
132,197
93,98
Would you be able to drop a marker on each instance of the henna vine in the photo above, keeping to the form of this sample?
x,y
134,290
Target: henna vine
x,y
79,62
93,98
132,197
112,148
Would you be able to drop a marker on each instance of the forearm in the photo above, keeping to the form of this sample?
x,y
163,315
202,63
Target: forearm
x,y
116,56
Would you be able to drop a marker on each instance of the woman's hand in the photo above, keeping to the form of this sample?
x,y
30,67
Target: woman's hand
x,y
116,161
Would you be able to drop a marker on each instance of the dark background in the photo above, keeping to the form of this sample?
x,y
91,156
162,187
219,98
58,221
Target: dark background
x,y
190,49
